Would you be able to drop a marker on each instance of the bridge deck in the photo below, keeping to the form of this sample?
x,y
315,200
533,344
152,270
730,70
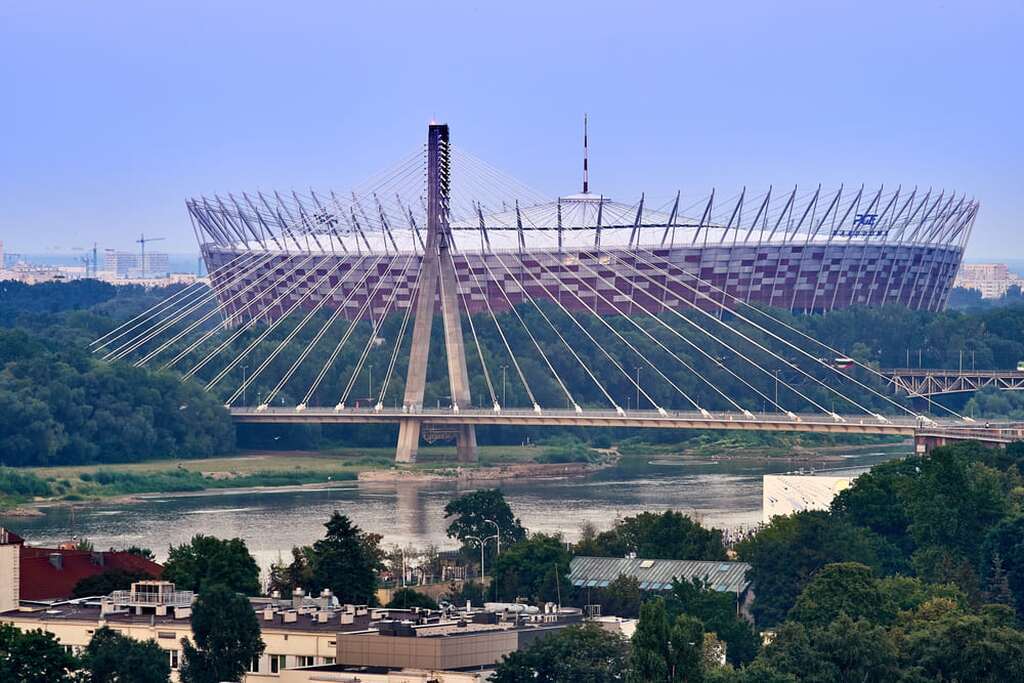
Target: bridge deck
x,y
775,422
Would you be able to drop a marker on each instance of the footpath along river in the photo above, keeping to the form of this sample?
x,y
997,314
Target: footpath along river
x,y
723,493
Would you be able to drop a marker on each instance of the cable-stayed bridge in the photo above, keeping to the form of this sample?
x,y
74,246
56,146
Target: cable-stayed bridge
x,y
601,314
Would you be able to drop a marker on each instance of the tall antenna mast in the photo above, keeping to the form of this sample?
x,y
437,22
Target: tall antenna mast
x,y
586,175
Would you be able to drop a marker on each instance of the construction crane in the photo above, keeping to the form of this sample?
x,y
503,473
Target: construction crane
x,y
142,249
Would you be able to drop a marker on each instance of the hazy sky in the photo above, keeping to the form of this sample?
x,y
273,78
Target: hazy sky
x,y
112,113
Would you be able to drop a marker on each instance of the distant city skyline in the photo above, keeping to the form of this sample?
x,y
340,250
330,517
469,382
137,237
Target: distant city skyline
x,y
119,112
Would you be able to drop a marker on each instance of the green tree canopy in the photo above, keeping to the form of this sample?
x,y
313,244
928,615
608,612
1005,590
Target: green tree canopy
x,y
787,553
208,561
226,634
718,613
577,654
470,514
407,598
666,650
113,658
669,535
34,657
107,582
536,569
843,588
346,560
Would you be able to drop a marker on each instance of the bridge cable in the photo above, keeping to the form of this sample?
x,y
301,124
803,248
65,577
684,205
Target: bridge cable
x,y
335,314
342,279
472,328
351,328
220,308
285,314
136,342
375,330
252,320
786,342
751,341
230,318
400,339
820,343
153,311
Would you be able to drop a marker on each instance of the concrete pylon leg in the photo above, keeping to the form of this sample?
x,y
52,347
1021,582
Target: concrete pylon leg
x,y
465,444
408,441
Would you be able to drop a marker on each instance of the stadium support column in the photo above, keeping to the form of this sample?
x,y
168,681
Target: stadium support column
x,y
437,271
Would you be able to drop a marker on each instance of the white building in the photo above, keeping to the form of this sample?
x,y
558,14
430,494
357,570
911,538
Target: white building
x,y
991,279
784,494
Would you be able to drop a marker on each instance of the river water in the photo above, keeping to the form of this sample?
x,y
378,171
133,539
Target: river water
x,y
725,494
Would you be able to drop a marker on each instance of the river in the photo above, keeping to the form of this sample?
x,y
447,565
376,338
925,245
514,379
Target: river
x,y
726,494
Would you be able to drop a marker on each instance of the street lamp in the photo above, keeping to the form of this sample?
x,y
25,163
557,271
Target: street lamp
x,y
638,387
503,402
497,535
244,368
479,540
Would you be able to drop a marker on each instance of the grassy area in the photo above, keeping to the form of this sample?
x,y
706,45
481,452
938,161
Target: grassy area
x,y
87,482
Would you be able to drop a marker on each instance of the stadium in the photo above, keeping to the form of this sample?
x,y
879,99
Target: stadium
x,y
802,249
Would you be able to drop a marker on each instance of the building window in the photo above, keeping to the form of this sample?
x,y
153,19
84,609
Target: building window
x,y
277,662
305,660
328,660
174,658
254,665
166,635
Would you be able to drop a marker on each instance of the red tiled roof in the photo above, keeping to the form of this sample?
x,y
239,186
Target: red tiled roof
x,y
41,580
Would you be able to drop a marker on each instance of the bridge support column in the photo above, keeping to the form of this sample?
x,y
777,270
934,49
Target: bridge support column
x,y
408,441
436,271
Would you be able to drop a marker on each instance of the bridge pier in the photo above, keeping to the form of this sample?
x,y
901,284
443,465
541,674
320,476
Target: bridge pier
x,y
408,441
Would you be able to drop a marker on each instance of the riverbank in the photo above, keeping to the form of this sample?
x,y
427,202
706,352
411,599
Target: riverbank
x,y
259,472
278,471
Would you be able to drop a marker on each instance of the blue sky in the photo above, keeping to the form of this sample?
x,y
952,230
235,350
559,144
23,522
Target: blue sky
x,y
114,112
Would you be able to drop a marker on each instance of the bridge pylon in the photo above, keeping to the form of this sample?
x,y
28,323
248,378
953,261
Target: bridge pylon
x,y
437,273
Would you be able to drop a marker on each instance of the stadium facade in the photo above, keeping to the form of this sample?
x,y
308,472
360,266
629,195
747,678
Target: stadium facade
x,y
802,250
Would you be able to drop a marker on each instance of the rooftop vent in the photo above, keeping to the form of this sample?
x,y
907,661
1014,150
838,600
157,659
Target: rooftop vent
x,y
646,564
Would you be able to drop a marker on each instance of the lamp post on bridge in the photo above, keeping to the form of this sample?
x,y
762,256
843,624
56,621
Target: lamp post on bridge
x,y
504,403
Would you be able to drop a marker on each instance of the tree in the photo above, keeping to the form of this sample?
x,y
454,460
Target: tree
x,y
669,535
145,553
622,597
407,598
346,560
717,611
1006,540
113,658
536,569
472,511
208,561
663,650
576,654
955,499
842,588
107,582
226,634
786,554
844,650
459,593
998,591
34,657
941,642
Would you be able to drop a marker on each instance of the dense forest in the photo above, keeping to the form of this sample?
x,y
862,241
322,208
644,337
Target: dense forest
x,y
60,404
